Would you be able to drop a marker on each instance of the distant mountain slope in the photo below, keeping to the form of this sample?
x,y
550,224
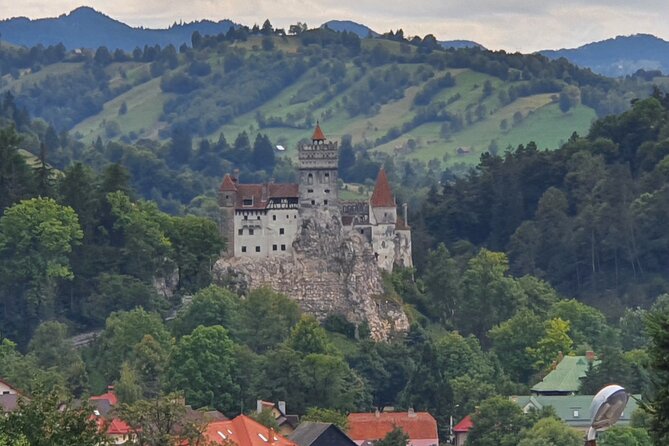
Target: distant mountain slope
x,y
620,56
85,27
352,27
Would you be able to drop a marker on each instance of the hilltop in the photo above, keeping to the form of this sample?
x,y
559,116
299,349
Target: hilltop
x,y
85,27
620,56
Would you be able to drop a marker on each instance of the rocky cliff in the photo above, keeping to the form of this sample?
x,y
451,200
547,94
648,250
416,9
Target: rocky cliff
x,y
330,272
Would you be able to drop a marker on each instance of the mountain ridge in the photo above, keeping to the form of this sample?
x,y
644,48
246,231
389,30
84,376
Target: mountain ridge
x,y
618,56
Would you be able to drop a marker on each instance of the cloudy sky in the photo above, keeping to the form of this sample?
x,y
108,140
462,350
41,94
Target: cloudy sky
x,y
513,25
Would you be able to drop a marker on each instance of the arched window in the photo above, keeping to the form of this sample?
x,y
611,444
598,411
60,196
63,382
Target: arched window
x,y
310,179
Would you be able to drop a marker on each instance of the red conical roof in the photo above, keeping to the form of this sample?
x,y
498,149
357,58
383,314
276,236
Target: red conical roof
x,y
228,184
382,197
318,133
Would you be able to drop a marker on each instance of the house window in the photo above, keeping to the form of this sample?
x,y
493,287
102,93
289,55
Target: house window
x,y
243,248
240,232
576,414
274,217
282,231
250,231
274,248
283,247
257,248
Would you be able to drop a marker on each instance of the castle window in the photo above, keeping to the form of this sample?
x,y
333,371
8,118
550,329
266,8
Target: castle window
x,y
246,217
311,191
247,202
283,247
250,231
258,217
327,177
274,217
287,216
310,179
240,232
273,247
243,248
282,231
327,191
257,248
313,201
325,202
227,196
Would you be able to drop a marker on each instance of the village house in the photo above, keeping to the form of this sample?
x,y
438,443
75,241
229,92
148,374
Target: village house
x,y
287,423
421,427
320,434
244,431
9,397
565,378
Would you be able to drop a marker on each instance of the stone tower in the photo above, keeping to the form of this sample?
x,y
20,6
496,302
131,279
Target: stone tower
x,y
227,200
318,163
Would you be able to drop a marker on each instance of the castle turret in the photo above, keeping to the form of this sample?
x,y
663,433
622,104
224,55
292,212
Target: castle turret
x,y
227,199
382,204
318,164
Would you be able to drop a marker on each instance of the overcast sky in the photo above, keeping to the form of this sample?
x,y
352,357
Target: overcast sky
x,y
512,25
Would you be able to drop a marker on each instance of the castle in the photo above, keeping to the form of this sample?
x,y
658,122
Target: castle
x,y
263,220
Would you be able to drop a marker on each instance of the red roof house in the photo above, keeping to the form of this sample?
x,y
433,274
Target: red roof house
x,y
421,427
244,431
461,430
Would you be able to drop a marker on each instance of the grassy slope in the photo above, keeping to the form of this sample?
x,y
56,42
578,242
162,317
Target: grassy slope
x,y
543,122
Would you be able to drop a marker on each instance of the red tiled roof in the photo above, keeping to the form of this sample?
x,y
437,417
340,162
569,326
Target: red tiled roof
x,y
244,431
373,426
318,134
464,425
109,396
228,183
255,192
118,427
382,197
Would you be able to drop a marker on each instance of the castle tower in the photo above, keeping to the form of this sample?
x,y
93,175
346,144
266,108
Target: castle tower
x,y
227,200
318,163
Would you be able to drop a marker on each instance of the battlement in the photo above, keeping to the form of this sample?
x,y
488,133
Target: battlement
x,y
318,155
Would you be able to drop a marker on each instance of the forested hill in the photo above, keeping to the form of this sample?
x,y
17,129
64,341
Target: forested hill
x,y
85,27
396,95
620,56
588,218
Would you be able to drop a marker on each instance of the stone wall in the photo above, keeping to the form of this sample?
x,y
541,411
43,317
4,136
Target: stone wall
x,y
329,272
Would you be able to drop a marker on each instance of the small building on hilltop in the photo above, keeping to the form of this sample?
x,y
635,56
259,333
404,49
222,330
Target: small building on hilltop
x,y
461,430
421,427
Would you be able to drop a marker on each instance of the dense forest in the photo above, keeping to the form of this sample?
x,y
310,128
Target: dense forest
x,y
531,254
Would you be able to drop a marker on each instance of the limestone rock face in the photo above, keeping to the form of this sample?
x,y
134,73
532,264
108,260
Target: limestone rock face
x,y
330,271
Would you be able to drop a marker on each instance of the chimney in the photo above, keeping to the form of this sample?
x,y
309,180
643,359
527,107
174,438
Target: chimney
x,y
411,413
282,407
270,435
265,192
258,406
590,356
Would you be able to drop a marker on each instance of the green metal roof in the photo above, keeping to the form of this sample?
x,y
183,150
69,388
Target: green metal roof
x,y
566,377
572,409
